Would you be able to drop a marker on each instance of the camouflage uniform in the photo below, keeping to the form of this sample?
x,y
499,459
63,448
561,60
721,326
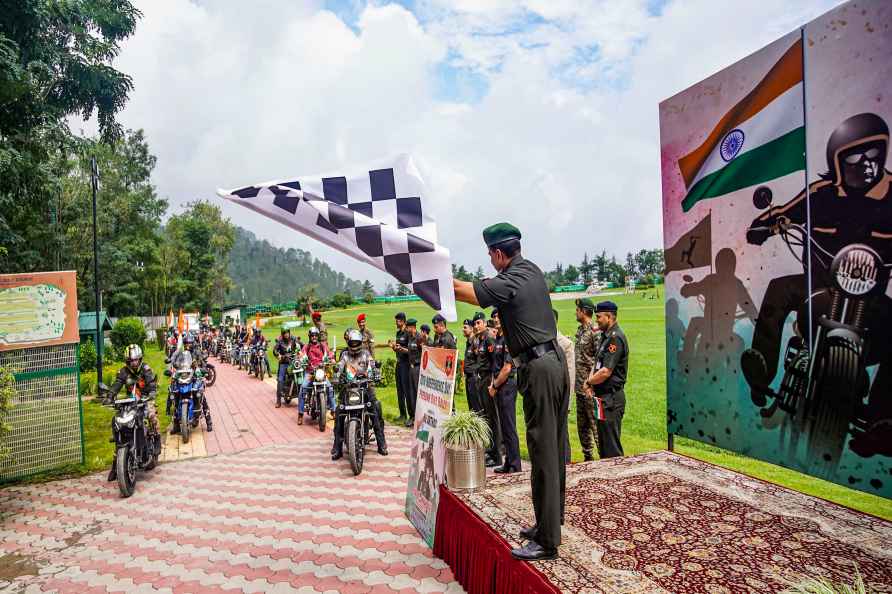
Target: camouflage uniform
x,y
368,341
588,337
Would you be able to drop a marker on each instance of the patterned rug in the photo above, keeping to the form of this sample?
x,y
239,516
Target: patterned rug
x,y
660,522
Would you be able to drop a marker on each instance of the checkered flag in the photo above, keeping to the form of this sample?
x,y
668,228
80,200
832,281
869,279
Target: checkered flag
x,y
375,214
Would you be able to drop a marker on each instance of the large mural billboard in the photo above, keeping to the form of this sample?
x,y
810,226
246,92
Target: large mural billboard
x,y
777,210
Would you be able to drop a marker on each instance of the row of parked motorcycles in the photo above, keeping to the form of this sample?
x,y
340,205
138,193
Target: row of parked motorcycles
x,y
251,358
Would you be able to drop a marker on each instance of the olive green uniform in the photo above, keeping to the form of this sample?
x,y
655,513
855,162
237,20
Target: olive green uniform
x,y
521,294
368,341
587,340
613,353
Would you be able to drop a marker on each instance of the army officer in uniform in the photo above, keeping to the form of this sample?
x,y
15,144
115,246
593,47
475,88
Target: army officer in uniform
x,y
607,380
521,295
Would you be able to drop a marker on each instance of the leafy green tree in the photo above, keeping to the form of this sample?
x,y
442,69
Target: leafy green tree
x,y
585,269
55,62
403,290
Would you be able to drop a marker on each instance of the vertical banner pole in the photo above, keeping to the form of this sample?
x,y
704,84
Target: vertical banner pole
x,y
94,183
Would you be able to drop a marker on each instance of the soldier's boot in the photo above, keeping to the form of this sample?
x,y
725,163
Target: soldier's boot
x,y
113,473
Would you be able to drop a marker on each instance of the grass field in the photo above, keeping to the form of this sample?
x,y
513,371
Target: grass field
x,y
644,425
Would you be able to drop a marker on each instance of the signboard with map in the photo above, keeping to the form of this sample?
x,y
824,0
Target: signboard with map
x,y
38,309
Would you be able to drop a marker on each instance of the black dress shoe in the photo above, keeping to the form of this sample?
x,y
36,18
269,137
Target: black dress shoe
x,y
528,533
533,551
490,463
337,455
382,450
113,473
502,470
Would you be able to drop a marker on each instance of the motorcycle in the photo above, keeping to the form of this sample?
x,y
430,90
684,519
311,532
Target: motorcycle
x,y
244,357
294,379
209,373
357,412
225,352
259,364
135,447
186,396
317,396
824,388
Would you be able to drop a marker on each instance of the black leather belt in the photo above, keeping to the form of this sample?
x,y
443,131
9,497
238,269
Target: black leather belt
x,y
534,352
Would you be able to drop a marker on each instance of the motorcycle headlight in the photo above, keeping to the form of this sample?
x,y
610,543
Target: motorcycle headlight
x,y
126,418
320,375
353,397
856,270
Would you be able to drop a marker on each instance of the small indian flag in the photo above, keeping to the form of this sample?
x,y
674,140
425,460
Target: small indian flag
x,y
759,139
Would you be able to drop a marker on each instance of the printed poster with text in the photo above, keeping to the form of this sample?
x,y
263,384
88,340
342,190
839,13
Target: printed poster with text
x,y
777,219
427,470
38,309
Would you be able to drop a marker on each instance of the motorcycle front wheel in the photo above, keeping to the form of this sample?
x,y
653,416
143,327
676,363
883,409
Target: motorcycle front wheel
x,y
260,370
125,462
320,409
211,376
185,425
355,445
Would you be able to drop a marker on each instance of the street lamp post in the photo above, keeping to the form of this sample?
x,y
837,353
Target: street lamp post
x,y
94,183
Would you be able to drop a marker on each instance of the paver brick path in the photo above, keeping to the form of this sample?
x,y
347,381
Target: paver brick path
x,y
273,514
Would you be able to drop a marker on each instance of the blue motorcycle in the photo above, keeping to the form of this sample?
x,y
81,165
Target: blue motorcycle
x,y
187,398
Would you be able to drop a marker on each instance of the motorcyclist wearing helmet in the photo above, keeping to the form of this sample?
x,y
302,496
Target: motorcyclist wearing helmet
x,y
852,203
315,354
357,361
137,372
188,356
285,350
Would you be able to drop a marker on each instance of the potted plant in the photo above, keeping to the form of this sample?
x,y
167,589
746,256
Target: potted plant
x,y
465,434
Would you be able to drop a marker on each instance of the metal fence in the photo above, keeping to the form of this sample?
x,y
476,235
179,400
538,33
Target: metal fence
x,y
47,428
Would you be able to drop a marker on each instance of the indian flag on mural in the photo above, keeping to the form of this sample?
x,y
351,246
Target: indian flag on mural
x,y
759,139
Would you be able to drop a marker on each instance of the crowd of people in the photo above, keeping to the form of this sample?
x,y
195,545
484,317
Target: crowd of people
x,y
517,349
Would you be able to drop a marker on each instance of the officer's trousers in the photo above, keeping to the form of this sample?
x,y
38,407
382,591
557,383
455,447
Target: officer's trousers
x,y
507,404
609,430
491,412
402,382
544,384
587,426
412,393
471,392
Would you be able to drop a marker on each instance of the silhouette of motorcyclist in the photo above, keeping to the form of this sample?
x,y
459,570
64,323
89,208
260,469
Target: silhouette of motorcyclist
x,y
722,294
852,203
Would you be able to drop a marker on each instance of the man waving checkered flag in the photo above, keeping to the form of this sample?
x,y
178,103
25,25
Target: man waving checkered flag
x,y
375,214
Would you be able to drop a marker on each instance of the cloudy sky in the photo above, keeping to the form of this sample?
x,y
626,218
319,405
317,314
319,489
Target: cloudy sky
x,y
539,112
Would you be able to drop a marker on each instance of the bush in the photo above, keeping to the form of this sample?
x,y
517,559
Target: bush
x,y
126,332
88,355
341,300
7,393
388,372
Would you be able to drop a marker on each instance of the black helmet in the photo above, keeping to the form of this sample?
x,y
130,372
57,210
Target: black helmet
x,y
856,151
188,339
354,341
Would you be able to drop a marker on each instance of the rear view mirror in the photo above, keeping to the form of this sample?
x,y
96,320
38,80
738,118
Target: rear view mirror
x,y
167,372
167,360
378,364
762,197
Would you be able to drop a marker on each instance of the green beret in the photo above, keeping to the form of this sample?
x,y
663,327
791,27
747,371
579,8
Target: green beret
x,y
411,322
479,316
500,232
437,319
606,306
586,304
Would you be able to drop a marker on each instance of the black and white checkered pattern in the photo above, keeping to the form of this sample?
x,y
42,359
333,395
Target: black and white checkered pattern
x,y
375,215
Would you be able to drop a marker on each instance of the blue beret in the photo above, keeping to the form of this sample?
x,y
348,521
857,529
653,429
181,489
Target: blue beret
x,y
608,306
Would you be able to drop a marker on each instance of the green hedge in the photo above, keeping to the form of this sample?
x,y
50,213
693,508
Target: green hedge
x,y
126,332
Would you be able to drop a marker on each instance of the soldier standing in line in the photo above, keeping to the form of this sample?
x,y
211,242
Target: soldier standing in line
x,y
566,345
424,334
413,349
470,367
588,336
368,337
504,390
443,338
402,365
521,294
483,347
607,380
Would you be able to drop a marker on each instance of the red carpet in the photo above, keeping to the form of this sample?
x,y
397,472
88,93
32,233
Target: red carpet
x,y
660,522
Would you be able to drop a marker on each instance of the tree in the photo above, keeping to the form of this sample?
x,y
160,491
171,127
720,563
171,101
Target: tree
x,y
460,273
403,290
55,62
585,269
368,288
571,275
206,238
479,274
630,265
389,290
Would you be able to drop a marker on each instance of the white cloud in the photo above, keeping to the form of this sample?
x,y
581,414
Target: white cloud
x,y
564,143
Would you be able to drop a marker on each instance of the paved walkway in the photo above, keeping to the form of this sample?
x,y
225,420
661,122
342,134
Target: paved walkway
x,y
274,514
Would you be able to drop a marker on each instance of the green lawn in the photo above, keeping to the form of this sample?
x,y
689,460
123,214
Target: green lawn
x,y
644,426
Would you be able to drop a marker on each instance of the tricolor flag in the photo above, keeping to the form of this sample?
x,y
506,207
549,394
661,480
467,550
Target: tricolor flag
x,y
759,139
